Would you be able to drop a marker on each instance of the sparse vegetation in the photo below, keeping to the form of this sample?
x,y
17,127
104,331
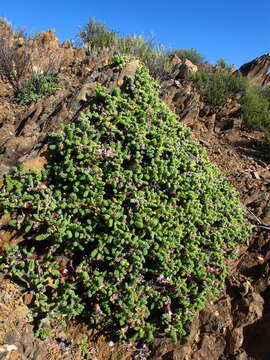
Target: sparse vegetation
x,y
14,64
98,37
37,87
129,224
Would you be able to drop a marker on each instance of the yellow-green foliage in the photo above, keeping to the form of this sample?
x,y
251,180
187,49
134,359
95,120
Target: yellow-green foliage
x,y
143,220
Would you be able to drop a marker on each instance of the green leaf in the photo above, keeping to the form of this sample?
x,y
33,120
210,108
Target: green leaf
x,y
42,237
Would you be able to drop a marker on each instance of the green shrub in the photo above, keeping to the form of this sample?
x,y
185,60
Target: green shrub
x,y
190,54
129,225
96,35
217,86
256,109
222,63
37,87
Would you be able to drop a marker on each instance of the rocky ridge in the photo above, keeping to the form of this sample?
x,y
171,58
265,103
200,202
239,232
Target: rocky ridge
x,y
224,329
257,70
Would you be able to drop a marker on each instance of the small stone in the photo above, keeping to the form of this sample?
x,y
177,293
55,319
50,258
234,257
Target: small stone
x,y
256,175
27,299
7,348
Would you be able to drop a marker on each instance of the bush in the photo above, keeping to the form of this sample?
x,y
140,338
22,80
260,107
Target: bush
x,y
96,35
222,63
37,87
256,109
217,86
190,54
129,225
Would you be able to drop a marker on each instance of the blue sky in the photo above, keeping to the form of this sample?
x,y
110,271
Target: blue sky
x,y
236,30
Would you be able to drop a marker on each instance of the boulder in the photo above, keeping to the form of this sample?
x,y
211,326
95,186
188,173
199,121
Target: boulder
x,y
175,60
257,70
186,68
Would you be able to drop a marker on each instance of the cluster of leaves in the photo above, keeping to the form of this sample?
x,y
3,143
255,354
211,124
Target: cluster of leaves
x,y
216,86
256,109
129,224
37,87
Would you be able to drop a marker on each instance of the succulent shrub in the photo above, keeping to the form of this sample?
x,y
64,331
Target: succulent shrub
x,y
129,225
216,86
37,87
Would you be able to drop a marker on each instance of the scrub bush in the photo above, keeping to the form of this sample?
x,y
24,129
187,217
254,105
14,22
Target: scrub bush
x,y
97,36
129,225
217,86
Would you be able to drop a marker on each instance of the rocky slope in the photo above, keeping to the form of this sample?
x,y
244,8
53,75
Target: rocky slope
x,y
225,329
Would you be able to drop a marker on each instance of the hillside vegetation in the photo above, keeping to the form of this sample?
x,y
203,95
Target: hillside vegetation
x,y
129,224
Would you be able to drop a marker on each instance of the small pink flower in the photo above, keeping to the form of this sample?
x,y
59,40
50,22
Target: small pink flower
x,y
102,153
162,280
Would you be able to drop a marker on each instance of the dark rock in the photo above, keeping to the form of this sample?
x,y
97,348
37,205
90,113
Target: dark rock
x,y
248,310
235,340
257,70
191,115
211,347
185,69
228,124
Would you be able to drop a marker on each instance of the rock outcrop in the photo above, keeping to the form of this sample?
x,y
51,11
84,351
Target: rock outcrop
x,y
257,70
182,67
